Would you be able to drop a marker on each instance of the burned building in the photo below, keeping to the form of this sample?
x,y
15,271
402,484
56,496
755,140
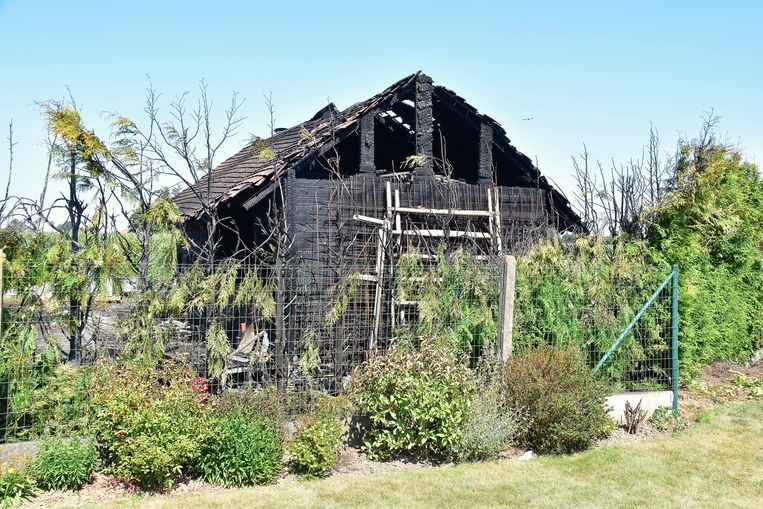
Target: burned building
x,y
346,193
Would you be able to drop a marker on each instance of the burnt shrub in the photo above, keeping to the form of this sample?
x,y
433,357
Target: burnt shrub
x,y
560,397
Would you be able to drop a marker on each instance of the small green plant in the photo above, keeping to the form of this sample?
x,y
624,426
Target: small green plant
x,y
315,447
417,402
240,450
663,419
15,487
64,464
149,420
563,400
755,387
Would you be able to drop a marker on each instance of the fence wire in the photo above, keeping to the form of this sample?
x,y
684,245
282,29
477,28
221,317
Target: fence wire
x,y
303,326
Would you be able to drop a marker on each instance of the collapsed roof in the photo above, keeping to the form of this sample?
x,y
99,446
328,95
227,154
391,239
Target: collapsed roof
x,y
252,168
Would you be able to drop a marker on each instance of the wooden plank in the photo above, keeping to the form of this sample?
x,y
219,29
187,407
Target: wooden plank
x,y
367,142
257,198
396,209
443,233
497,219
367,219
485,170
424,125
379,280
443,212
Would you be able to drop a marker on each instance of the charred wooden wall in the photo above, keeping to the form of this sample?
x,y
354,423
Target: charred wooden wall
x,y
329,249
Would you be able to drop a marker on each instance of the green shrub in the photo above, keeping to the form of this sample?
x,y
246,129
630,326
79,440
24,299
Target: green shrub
x,y
15,487
150,421
663,419
64,464
315,447
262,403
711,225
240,450
416,401
60,405
562,399
491,425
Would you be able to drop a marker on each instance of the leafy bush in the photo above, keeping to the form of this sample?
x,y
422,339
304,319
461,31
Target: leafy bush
x,y
240,450
563,401
491,425
417,402
23,370
15,487
60,405
64,464
149,420
315,447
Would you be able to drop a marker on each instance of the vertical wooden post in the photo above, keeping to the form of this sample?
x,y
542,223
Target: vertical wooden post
x,y
367,164
485,170
281,356
506,312
424,127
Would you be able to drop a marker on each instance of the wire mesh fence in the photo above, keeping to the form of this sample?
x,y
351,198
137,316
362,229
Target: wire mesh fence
x,y
303,326
598,318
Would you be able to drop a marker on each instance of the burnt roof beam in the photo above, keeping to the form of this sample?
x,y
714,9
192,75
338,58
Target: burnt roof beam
x,y
485,169
367,139
424,121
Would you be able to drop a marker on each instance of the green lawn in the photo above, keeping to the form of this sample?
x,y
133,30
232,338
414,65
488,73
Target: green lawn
x,y
716,463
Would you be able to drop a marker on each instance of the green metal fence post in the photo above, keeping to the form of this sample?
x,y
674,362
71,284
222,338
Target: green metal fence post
x,y
674,338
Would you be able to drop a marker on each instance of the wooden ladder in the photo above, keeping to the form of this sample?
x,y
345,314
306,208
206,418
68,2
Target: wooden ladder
x,y
390,229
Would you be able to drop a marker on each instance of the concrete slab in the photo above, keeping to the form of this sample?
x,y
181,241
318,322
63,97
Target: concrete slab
x,y
17,454
650,401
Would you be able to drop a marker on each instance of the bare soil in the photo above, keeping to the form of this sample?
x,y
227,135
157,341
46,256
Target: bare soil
x,y
717,386
621,436
104,488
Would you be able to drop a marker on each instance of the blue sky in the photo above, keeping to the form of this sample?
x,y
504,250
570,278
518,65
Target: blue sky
x,y
592,72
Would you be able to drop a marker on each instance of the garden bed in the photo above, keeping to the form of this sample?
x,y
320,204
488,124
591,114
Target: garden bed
x,y
721,384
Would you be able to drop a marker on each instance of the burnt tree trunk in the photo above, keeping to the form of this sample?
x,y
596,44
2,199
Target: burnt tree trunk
x,y
75,220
